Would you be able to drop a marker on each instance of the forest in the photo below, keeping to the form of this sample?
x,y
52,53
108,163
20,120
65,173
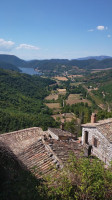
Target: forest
x,y
21,101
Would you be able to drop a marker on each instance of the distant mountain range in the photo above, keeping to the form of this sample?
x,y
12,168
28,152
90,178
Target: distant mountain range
x,y
59,65
95,57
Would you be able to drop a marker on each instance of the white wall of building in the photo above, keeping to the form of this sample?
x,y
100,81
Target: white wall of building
x,y
104,148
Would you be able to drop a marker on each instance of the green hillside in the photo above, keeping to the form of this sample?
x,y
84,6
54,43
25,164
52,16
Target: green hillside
x,y
53,67
21,101
14,60
86,64
9,66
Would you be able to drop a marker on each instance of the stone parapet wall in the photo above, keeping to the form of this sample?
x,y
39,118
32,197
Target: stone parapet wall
x,y
22,134
37,152
29,147
18,140
54,136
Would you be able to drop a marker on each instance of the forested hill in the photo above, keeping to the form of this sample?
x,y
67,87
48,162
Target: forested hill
x,y
11,62
14,60
21,100
59,64
83,64
9,66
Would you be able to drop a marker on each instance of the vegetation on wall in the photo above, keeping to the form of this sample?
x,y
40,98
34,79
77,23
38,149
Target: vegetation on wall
x,y
81,179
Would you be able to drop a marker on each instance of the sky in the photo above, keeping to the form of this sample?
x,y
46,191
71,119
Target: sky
x,y
45,29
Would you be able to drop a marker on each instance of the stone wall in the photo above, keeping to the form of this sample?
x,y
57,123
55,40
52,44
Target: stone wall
x,y
54,136
104,148
37,152
18,140
29,147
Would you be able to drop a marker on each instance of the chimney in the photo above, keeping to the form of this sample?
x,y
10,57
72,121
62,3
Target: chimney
x,y
93,118
62,126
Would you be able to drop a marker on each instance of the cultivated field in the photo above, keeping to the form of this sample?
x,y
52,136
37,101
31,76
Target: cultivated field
x,y
76,98
67,116
76,83
53,105
52,96
61,78
61,91
75,76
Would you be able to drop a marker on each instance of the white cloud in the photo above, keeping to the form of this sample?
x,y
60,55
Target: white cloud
x,y
6,45
101,28
91,30
109,36
27,46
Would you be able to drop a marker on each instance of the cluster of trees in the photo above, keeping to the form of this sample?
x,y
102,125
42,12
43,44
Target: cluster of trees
x,y
81,110
105,92
81,179
21,100
98,78
72,127
103,81
78,90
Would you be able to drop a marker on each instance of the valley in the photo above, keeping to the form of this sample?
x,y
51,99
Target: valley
x,y
76,94
41,119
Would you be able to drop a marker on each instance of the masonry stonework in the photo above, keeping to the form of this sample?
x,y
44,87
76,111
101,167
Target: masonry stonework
x,y
103,150
40,151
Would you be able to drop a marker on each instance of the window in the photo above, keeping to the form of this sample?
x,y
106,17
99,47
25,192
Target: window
x,y
95,142
86,137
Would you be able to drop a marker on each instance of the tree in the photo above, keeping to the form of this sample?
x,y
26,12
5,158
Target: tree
x,y
81,179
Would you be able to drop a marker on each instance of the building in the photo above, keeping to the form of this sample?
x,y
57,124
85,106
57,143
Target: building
x,y
41,152
97,139
58,134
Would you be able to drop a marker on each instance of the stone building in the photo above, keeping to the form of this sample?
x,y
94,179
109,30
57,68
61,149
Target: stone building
x,y
40,151
59,134
97,139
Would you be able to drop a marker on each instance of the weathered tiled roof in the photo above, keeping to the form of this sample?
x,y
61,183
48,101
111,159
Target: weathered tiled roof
x,y
38,159
103,126
63,149
39,154
100,122
29,147
106,130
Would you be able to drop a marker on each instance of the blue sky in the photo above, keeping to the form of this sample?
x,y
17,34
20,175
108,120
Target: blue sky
x,y
44,29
